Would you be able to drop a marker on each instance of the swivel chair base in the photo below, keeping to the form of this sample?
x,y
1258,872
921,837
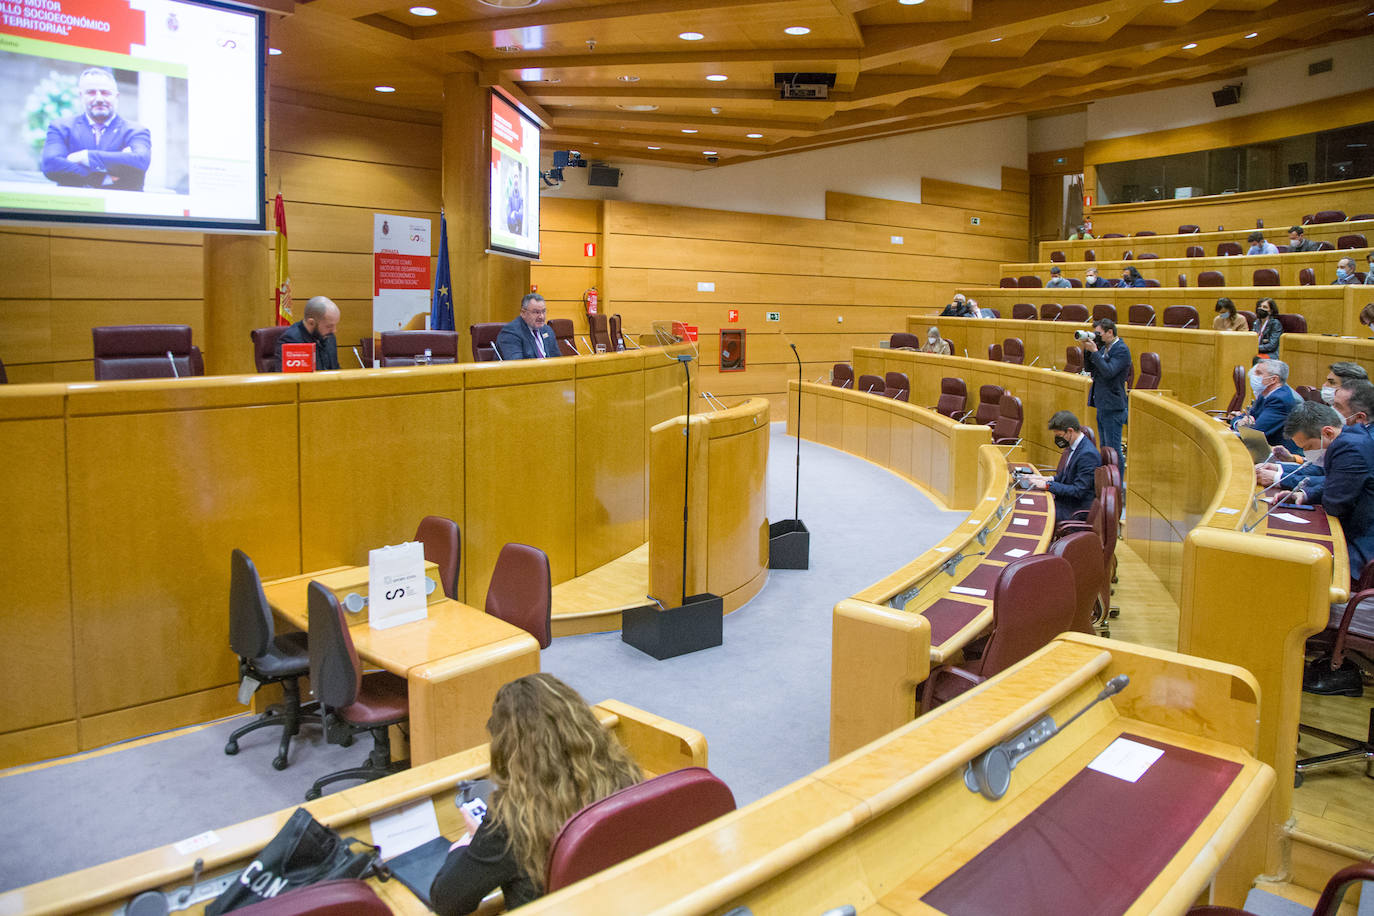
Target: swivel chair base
x,y
290,715
1355,749
379,764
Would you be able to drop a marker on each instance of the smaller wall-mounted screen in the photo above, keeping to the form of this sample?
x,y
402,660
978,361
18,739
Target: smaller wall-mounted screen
x,y
514,218
132,112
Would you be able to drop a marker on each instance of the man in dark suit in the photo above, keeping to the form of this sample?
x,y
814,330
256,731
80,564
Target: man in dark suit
x,y
529,335
1273,401
1073,485
97,148
316,327
1109,364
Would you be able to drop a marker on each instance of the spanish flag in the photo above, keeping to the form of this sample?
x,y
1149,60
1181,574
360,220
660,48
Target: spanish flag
x,y
285,314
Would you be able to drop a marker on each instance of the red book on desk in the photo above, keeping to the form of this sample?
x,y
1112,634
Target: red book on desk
x,y
298,357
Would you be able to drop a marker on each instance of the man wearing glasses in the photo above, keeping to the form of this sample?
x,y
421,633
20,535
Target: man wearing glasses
x,y
528,336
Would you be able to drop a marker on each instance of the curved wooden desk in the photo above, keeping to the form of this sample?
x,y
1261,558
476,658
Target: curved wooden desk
x,y
1237,270
1176,246
127,497
1309,356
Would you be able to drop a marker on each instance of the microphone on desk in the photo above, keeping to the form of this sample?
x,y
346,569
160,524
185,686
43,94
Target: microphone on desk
x,y
1186,323
953,562
497,351
1208,401
989,774
172,361
1033,362
1302,485
359,357
1011,448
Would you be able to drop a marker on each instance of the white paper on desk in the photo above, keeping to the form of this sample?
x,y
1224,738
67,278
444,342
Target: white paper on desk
x,y
402,829
1026,502
1020,521
944,549
975,592
1226,510
1287,517
1126,759
1017,553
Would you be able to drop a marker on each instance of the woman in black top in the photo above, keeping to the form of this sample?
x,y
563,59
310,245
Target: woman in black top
x,y
550,758
1268,328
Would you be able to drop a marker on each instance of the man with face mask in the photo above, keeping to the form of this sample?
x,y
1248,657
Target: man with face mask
x,y
1340,374
1274,400
935,343
959,308
1345,273
1073,483
1284,468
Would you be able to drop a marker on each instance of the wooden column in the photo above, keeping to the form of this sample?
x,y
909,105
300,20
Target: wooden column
x,y
486,287
238,287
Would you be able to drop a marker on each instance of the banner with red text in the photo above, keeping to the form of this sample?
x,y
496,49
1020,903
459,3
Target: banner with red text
x,y
400,273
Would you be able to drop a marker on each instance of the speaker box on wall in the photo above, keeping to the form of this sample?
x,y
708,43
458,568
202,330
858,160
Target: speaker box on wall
x,y
1226,95
1297,173
603,177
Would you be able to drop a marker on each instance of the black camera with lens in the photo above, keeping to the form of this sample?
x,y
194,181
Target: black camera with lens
x,y
1088,335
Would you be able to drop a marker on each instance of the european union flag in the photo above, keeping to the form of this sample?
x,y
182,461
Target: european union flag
x,y
441,301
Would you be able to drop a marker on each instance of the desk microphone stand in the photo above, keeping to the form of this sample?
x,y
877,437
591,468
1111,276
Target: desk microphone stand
x,y
789,542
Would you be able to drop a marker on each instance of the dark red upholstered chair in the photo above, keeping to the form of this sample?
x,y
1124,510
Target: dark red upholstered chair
x,y
615,325
1049,311
1112,235
1328,216
995,352
1354,240
1007,428
402,348
953,401
1195,251
1023,311
484,341
1182,280
989,404
1265,276
1293,324
1211,278
350,702
1013,351
904,341
871,384
1090,255
1151,284
898,386
1307,277
521,591
1144,232
341,897
1249,319
1083,551
1238,398
265,657
1104,310
365,350
1141,314
1007,283
140,351
1188,229
1229,250
265,346
1108,455
1128,255
1308,393
565,332
1180,316
634,820
4,377
1075,283
1361,216
1033,601
1307,220
1328,904
1150,372
842,376
1073,359
1147,256
1283,249
599,330
1325,246
443,547
1058,257
1029,281
1074,311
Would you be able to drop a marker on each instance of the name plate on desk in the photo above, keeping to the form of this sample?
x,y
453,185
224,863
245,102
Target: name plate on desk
x,y
396,585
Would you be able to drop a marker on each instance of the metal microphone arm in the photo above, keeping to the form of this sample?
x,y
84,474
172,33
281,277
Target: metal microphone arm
x,y
359,358
1302,485
1208,401
497,350
173,363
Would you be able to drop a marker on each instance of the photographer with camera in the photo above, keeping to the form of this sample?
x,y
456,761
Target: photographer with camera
x,y
1108,361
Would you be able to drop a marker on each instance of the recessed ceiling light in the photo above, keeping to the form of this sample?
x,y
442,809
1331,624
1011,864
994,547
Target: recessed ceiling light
x,y
754,136
1190,46
655,147
508,4
689,130
993,40
1088,22
627,78
384,88
690,36
1173,1
1253,35
911,2
424,11
709,152
637,107
797,30
717,77
274,51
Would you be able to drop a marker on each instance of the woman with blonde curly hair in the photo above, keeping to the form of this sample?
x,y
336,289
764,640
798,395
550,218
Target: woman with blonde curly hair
x,y
550,758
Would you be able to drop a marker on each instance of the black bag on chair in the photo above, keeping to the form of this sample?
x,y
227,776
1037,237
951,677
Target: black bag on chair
x,y
302,853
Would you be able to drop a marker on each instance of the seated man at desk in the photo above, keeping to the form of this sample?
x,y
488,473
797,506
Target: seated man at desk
x,y
529,335
1273,401
1073,483
317,327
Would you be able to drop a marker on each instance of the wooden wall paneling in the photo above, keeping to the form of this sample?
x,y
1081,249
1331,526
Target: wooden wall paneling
x,y
343,182
567,214
328,273
341,230
163,482
1309,356
27,256
611,442
852,207
379,450
71,321
312,131
133,269
1013,180
519,456
25,330
970,197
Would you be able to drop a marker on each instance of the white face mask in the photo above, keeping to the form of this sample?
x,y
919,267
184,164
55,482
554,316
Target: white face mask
x,y
1256,384
1328,394
1315,456
933,339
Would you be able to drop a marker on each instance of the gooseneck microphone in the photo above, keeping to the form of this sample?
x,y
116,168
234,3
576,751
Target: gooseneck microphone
x,y
173,363
989,774
1302,485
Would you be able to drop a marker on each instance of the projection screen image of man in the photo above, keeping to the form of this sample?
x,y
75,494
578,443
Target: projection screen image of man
x,y
97,148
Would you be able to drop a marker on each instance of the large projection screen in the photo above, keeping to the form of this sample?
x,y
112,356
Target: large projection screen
x,y
514,213
132,112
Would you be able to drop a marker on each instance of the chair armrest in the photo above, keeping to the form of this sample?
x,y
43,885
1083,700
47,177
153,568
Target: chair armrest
x,y
945,683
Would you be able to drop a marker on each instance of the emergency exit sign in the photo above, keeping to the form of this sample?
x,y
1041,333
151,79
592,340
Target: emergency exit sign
x,y
774,316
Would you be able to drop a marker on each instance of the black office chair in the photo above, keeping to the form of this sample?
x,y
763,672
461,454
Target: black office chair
x,y
352,703
266,657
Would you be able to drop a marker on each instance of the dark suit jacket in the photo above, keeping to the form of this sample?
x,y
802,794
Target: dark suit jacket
x,y
110,165
1099,283
516,341
1269,331
1347,492
1074,484
1109,370
326,348
1270,413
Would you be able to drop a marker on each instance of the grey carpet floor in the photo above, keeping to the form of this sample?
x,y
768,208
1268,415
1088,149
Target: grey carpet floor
x,y
762,698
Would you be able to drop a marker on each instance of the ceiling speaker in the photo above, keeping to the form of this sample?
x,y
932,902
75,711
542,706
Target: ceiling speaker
x,y
602,176
1226,95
